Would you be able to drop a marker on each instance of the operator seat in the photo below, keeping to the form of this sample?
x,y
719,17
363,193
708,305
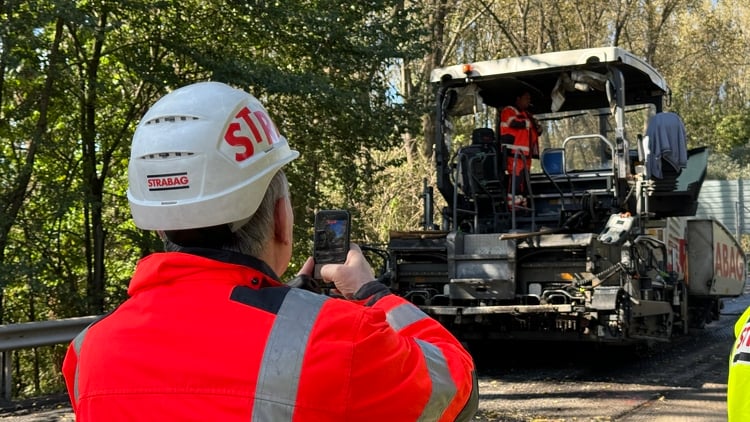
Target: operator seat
x,y
479,166
674,175
480,177
665,147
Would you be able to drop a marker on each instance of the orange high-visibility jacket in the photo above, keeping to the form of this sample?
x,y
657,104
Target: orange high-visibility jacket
x,y
217,337
518,127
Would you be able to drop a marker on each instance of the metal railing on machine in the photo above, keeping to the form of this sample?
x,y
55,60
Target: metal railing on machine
x,y
34,334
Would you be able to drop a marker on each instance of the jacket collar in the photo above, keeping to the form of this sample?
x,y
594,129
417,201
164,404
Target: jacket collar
x,y
231,257
195,264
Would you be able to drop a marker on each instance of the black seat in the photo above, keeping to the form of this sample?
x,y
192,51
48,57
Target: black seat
x,y
479,170
483,136
481,181
480,167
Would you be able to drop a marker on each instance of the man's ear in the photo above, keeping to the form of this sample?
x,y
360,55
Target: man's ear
x,y
282,223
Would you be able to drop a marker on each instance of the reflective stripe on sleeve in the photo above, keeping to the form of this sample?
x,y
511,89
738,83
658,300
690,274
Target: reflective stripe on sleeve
x,y
443,387
278,380
743,358
404,315
77,344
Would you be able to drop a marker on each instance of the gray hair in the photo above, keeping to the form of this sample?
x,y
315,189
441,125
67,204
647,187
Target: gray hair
x,y
251,236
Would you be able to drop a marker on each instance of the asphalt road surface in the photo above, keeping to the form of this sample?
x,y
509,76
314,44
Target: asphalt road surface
x,y
684,381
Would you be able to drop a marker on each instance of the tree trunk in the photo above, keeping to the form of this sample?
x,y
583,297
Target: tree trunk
x,y
94,181
14,198
432,61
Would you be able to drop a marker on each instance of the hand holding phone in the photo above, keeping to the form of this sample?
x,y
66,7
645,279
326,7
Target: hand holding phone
x,y
331,238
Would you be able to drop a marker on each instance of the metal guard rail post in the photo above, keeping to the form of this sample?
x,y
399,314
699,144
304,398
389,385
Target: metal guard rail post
x,y
34,334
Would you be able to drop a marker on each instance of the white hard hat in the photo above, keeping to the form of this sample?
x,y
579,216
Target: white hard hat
x,y
203,156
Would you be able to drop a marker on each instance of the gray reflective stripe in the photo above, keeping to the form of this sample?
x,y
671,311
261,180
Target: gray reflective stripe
x,y
278,380
443,388
77,344
404,315
472,404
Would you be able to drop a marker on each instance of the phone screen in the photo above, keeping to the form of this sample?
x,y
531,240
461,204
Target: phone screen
x,y
331,237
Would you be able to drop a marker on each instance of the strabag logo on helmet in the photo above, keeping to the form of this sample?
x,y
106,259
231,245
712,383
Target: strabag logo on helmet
x,y
248,130
172,181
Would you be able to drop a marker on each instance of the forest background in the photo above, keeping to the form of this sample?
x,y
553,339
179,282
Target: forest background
x,y
346,83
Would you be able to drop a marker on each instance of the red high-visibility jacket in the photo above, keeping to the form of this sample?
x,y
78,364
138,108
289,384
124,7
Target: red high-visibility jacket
x,y
217,338
518,127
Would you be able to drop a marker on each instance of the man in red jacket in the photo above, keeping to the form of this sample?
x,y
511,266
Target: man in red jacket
x,y
209,332
519,132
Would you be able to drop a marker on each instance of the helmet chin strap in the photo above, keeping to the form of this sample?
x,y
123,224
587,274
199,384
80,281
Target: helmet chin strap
x,y
213,237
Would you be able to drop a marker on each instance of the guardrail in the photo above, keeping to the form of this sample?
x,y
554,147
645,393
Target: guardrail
x,y
34,334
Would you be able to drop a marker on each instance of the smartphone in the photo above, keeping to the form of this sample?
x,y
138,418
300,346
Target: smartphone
x,y
331,238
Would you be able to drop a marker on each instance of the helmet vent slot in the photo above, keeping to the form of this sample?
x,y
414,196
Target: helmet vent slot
x,y
171,119
166,155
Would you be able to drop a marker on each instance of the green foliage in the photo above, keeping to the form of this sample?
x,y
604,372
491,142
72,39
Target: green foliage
x,y
322,69
732,131
397,198
729,166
